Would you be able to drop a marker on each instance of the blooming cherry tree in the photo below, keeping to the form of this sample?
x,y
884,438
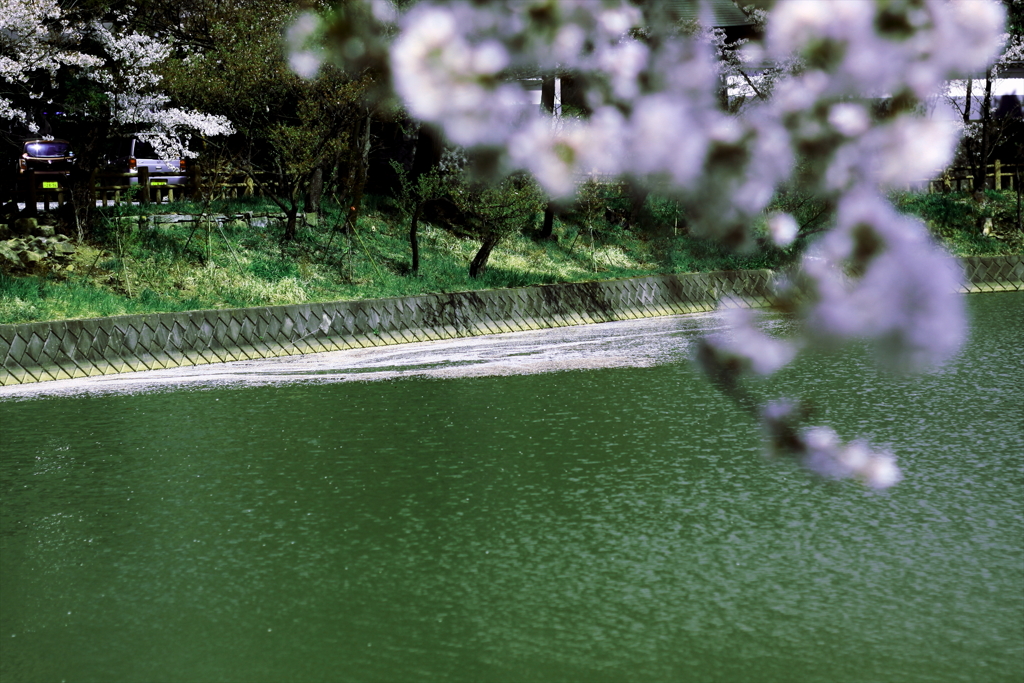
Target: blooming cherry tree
x,y
39,44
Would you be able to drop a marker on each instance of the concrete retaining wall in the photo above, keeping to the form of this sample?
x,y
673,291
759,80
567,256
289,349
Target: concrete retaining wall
x,y
994,273
38,352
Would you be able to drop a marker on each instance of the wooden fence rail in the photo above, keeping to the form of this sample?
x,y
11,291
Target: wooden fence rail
x,y
960,179
113,189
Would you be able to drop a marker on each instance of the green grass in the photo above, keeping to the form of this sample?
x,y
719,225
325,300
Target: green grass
x,y
174,267
124,269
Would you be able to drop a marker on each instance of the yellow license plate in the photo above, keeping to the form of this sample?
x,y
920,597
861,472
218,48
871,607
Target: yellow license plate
x,y
51,185
157,182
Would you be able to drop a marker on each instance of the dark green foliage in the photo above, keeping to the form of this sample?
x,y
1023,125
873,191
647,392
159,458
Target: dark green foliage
x,y
600,204
467,207
812,213
694,255
941,209
959,220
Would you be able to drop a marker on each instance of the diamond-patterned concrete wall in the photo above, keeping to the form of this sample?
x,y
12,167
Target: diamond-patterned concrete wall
x,y
39,352
994,273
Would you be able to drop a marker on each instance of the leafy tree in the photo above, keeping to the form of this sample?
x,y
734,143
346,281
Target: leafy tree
x,y
449,195
289,128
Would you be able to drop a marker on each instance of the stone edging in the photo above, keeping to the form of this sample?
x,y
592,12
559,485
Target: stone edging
x,y
37,352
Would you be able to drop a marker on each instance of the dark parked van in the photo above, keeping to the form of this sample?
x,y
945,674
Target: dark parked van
x,y
46,156
51,160
48,162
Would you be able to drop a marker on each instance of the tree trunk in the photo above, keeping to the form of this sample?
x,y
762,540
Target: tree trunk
x,y
548,226
1016,188
83,195
78,213
986,134
82,202
360,164
290,226
969,147
967,102
547,105
427,155
479,264
547,95
414,242
637,199
314,192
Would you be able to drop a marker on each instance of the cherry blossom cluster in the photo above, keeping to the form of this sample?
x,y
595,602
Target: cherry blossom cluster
x,y
34,37
821,451
136,100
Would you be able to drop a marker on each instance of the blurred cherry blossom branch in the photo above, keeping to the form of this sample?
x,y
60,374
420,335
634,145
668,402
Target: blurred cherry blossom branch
x,y
654,114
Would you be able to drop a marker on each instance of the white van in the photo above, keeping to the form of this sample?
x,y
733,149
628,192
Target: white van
x,y
132,154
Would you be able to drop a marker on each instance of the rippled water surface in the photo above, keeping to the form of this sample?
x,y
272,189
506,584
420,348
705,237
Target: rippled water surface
x,y
574,504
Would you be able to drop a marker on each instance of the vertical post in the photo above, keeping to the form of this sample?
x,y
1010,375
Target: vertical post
x,y
986,132
33,196
144,185
194,172
547,106
999,174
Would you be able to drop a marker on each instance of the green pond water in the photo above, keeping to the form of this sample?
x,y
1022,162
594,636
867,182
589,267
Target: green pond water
x,y
613,520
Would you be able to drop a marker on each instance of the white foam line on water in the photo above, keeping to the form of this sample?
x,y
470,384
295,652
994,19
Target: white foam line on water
x,y
627,343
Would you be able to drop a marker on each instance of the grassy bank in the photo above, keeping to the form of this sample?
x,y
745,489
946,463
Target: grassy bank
x,y
965,225
124,269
